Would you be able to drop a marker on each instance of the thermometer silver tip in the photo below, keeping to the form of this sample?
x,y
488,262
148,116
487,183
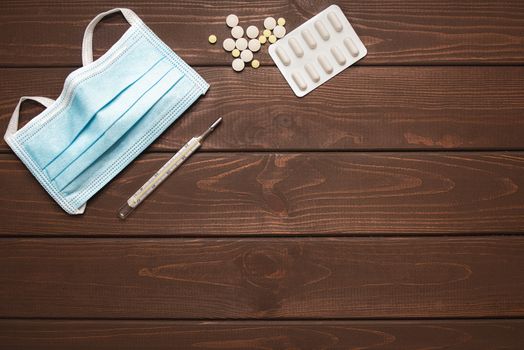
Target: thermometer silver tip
x,y
214,125
210,129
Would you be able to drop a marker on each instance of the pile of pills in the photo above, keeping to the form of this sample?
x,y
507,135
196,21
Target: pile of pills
x,y
244,43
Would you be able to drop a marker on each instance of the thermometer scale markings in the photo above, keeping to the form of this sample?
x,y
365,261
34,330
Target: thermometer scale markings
x,y
163,173
156,180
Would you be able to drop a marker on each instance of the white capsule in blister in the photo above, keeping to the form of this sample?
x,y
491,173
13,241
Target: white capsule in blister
x,y
241,44
316,51
254,45
312,72
283,56
295,46
352,48
324,63
339,56
322,31
297,77
309,39
335,23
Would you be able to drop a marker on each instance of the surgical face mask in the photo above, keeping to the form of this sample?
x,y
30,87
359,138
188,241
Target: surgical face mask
x,y
109,111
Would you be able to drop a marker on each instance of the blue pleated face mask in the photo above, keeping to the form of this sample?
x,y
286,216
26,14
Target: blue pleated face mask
x,y
109,111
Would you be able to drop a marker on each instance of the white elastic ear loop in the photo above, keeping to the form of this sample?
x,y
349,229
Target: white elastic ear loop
x,y
12,127
87,44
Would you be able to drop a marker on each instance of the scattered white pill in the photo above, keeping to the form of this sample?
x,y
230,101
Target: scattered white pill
x,y
241,44
339,56
326,66
246,55
238,65
297,77
335,23
254,45
352,48
232,21
322,31
228,44
279,31
312,72
309,39
295,46
283,56
237,32
270,23
252,32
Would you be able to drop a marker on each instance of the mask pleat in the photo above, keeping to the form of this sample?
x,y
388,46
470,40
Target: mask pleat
x,y
155,117
106,118
91,95
80,161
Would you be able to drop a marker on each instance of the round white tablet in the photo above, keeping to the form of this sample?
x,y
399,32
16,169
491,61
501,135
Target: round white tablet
x,y
228,44
246,56
254,45
279,31
231,21
237,32
241,44
238,65
252,32
270,23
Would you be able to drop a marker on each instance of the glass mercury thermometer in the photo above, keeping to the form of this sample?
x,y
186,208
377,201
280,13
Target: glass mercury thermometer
x,y
164,172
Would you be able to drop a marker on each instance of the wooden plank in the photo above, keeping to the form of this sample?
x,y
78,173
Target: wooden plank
x,y
398,32
364,108
262,278
332,335
288,194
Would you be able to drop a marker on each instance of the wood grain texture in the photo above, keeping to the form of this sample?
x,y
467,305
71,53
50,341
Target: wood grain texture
x,y
395,32
251,335
288,194
262,278
94,282
369,108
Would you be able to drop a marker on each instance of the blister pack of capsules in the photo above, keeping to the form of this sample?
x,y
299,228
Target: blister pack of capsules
x,y
317,50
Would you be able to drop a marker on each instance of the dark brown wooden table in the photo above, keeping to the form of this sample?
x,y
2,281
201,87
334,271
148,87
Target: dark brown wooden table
x,y
385,210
